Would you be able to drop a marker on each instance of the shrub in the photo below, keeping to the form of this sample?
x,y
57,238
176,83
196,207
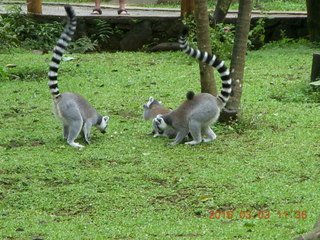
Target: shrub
x,y
19,30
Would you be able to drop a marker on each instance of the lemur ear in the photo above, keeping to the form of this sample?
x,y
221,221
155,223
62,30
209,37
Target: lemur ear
x,y
151,99
106,118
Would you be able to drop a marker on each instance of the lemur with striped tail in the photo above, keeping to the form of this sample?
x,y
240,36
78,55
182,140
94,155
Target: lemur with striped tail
x,y
152,109
199,111
71,109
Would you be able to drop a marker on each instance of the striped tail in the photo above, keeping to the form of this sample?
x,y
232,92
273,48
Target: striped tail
x,y
59,49
213,61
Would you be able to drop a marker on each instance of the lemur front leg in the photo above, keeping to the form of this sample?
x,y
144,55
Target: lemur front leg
x,y
86,131
182,133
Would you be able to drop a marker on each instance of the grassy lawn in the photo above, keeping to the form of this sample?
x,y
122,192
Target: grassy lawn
x,y
262,171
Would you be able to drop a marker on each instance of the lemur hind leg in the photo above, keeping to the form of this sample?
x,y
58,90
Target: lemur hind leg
x,y
209,134
182,133
195,130
74,130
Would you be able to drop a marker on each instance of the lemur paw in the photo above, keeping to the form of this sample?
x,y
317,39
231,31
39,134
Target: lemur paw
x,y
192,143
156,135
73,144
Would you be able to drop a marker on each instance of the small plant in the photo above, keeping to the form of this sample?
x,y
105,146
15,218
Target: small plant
x,y
102,33
257,35
222,37
46,34
192,30
18,29
83,45
4,75
8,38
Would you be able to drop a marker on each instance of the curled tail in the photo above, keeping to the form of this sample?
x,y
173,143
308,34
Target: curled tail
x,y
59,49
213,61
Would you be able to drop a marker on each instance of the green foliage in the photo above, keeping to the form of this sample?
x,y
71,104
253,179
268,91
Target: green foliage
x,y
8,38
4,75
256,35
102,33
192,30
43,36
284,41
83,45
222,37
19,29
97,41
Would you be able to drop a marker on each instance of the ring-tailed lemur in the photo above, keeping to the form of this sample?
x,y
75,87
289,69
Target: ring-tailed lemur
x,y
199,111
71,109
152,109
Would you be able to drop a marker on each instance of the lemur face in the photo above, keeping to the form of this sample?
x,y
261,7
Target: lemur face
x,y
104,124
159,124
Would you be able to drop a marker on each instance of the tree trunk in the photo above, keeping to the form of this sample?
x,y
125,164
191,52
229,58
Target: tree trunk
x,y
232,109
314,234
313,9
187,8
34,6
221,11
207,80
315,70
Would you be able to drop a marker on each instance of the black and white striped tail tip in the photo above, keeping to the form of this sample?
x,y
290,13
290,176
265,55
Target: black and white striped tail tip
x,y
69,10
59,49
213,61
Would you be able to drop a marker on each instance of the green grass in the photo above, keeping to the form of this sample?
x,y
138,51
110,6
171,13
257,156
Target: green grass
x,y
128,185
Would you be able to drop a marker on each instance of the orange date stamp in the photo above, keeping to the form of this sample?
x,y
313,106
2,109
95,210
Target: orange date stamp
x,y
257,214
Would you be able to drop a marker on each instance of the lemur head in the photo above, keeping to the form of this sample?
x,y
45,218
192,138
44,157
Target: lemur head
x,y
103,124
151,108
148,104
159,124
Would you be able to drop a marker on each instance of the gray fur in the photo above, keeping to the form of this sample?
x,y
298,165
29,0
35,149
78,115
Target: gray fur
x,y
71,109
150,110
195,116
76,114
213,61
199,111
